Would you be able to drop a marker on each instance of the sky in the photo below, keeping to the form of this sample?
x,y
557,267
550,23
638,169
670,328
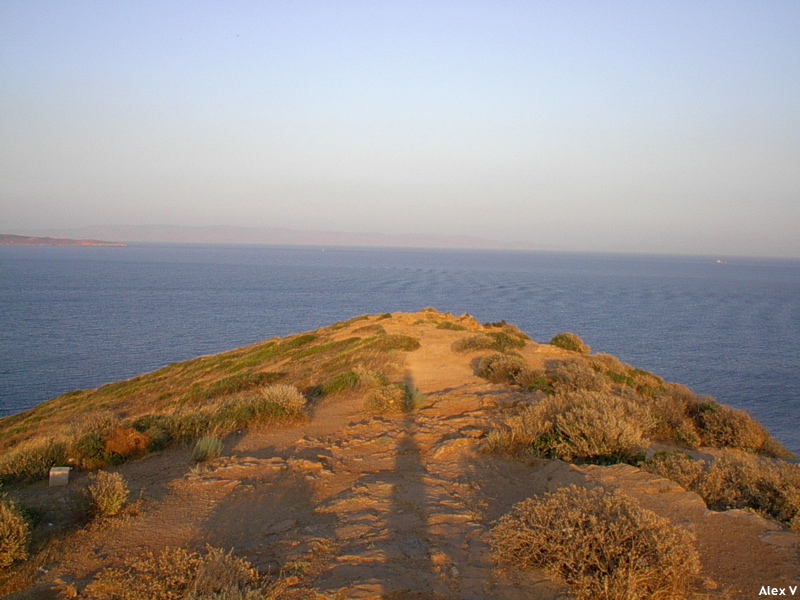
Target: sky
x,y
655,127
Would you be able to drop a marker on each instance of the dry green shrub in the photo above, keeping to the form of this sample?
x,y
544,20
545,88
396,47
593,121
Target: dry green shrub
x,y
108,493
530,379
472,343
740,480
607,362
720,426
570,341
501,368
574,375
676,466
584,425
604,546
286,396
207,448
389,399
673,422
14,534
32,460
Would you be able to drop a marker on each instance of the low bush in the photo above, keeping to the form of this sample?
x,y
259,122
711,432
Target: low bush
x,y
501,368
452,326
739,480
207,448
14,534
736,479
574,375
177,573
473,343
583,425
604,546
676,466
32,460
720,426
108,493
570,341
388,343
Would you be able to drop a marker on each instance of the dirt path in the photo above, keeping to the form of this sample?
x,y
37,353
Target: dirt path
x,y
367,506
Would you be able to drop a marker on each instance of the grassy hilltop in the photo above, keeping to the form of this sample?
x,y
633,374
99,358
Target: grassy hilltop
x,y
398,455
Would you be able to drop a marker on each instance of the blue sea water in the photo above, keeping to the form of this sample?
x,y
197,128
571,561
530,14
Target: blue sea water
x,y
75,318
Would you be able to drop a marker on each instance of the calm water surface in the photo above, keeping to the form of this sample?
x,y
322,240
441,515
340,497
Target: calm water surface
x,y
79,317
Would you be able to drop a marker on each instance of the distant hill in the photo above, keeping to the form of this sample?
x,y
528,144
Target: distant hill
x,y
223,234
7,239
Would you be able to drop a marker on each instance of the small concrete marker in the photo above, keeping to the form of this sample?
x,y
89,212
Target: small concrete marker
x,y
59,476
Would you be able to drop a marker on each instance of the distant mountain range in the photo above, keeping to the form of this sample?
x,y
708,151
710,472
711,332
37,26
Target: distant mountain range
x,y
7,239
278,236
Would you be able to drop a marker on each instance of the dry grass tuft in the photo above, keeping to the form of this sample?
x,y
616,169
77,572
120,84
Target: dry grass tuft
x,y
14,534
286,396
605,546
207,448
386,399
108,493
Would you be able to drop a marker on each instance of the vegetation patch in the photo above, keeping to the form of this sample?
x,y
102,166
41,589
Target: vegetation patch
x,y
394,398
604,546
451,326
736,480
388,343
108,493
570,341
231,385
14,534
581,425
177,573
207,448
501,368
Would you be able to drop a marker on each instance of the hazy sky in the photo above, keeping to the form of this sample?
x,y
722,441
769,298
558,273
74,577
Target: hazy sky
x,y
610,126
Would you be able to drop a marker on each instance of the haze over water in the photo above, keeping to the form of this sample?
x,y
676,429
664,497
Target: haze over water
x,y
79,317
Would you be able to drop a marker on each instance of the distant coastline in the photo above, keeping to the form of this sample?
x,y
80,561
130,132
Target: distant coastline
x,y
7,239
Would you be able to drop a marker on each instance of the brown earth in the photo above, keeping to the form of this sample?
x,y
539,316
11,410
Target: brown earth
x,y
368,506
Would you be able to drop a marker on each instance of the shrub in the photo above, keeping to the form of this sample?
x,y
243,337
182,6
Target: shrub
x,y
108,493
570,341
677,466
584,425
452,326
472,343
387,343
286,396
739,480
14,534
389,399
604,546
724,427
574,375
501,367
207,448
32,460
158,430
178,573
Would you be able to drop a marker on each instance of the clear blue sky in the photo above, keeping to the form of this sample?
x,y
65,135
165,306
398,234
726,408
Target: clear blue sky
x,y
594,126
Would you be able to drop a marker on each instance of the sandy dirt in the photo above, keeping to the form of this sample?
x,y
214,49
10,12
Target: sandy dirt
x,y
367,506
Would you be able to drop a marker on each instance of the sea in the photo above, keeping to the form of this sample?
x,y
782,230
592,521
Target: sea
x,y
79,317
